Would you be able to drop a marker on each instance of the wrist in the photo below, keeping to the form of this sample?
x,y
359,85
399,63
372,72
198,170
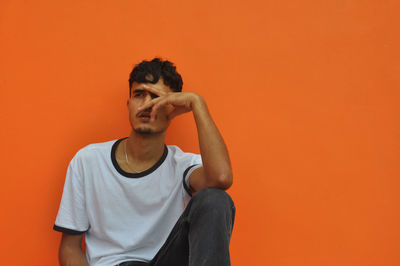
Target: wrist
x,y
197,102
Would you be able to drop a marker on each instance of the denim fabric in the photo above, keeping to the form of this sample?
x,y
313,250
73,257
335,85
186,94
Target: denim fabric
x,y
202,234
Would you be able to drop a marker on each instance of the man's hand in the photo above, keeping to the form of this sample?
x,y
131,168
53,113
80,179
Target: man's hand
x,y
216,170
177,102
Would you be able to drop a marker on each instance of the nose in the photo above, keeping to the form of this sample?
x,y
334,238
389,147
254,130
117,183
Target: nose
x,y
146,99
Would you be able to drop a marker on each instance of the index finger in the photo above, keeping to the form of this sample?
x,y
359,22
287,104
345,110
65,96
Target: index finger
x,y
148,104
153,90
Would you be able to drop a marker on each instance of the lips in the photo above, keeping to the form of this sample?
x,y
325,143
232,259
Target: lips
x,y
143,115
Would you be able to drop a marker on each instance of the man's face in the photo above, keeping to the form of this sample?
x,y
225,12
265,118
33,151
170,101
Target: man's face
x,y
140,120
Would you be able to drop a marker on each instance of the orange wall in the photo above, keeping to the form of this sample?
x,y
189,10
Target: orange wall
x,y
306,94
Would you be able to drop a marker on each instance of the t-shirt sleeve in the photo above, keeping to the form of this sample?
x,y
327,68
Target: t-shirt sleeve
x,y
192,163
72,216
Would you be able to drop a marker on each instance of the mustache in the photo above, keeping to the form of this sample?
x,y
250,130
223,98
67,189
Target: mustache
x,y
145,112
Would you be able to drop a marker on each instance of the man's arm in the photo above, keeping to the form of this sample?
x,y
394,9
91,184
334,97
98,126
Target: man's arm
x,y
70,252
216,170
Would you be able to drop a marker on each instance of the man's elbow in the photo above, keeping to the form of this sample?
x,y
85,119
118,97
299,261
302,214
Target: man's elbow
x,y
225,181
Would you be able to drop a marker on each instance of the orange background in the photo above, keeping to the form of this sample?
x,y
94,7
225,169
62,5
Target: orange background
x,y
305,93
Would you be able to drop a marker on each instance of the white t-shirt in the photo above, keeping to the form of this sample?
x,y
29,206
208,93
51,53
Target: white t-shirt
x,y
124,216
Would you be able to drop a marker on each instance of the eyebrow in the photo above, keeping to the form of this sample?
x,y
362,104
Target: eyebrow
x,y
143,90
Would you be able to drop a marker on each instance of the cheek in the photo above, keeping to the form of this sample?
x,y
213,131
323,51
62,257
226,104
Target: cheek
x,y
131,112
132,105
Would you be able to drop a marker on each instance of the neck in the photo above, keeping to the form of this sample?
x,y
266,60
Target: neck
x,y
145,147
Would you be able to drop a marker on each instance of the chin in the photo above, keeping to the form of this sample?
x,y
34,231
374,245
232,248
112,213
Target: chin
x,y
148,130
141,130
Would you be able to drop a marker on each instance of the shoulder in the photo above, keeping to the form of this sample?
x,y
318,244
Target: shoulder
x,y
91,151
176,152
180,157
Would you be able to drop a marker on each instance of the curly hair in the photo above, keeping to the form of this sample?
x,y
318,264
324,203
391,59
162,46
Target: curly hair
x,y
152,71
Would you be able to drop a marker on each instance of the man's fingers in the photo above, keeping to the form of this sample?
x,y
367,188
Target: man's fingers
x,y
159,103
148,104
153,112
154,90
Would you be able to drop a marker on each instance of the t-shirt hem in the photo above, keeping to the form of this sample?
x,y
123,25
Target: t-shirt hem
x,y
186,175
67,230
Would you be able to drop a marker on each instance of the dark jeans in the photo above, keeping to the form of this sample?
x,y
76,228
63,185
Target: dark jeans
x,y
202,234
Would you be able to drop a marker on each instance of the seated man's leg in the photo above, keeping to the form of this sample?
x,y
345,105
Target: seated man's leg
x,y
202,234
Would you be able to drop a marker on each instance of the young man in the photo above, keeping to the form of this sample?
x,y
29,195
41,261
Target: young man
x,y
140,202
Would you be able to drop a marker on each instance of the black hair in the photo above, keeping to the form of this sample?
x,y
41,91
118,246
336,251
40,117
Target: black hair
x,y
152,71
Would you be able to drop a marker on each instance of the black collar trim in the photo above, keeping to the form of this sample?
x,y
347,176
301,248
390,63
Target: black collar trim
x,y
136,175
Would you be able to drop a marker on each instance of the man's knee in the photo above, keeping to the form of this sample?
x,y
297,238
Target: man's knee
x,y
213,198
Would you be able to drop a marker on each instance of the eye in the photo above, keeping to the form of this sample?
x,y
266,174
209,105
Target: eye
x,y
138,94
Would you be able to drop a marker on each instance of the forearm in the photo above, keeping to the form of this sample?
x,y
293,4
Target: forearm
x,y
216,162
72,256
